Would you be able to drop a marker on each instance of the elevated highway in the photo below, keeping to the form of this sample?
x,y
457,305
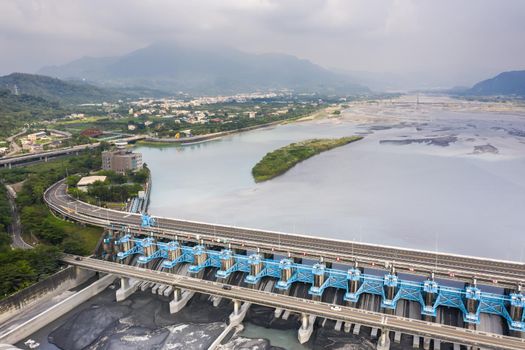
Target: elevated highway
x,y
447,266
304,306
45,156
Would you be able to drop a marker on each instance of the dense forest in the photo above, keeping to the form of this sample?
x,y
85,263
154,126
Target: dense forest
x,y
20,268
52,89
17,110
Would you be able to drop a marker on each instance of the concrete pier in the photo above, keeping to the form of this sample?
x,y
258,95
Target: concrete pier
x,y
384,340
239,312
216,301
180,299
374,332
397,337
426,343
127,288
415,342
306,329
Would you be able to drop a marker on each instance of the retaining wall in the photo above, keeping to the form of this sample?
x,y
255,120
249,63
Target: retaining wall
x,y
32,325
68,278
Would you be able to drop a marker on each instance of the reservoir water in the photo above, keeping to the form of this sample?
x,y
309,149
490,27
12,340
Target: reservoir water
x,y
429,179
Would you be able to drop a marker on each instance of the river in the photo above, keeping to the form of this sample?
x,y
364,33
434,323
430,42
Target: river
x,y
462,193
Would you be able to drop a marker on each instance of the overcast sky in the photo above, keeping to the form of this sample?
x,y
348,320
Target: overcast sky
x,y
453,42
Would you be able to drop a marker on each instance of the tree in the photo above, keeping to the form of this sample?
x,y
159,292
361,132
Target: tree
x,y
75,246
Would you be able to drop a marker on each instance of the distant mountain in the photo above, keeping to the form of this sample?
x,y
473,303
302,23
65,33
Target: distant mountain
x,y
213,70
506,83
54,89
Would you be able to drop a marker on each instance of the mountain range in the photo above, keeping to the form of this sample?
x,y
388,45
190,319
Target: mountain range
x,y
174,68
506,83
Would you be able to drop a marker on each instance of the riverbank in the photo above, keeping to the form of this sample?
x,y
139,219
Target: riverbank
x,y
278,162
157,141
154,141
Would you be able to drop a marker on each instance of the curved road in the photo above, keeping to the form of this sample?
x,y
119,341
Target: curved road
x,y
15,228
449,266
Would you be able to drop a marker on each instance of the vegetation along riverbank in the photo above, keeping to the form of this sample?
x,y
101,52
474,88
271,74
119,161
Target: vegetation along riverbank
x,y
281,160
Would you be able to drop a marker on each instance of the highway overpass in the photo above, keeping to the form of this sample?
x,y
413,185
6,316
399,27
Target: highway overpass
x,y
10,161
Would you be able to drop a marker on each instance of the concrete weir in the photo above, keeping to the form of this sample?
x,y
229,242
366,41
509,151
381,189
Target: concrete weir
x,y
129,286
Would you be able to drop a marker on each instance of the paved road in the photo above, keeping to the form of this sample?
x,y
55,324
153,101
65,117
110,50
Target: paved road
x,y
448,266
374,319
15,229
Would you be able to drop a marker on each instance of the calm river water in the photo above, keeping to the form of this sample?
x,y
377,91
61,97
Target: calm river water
x,y
449,181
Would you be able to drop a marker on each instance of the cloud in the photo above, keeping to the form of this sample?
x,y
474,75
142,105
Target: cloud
x,y
456,41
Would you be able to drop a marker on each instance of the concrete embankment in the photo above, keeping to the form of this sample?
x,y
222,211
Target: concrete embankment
x,y
55,284
25,329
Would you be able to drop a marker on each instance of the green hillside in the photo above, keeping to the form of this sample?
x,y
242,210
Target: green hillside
x,y
17,110
53,89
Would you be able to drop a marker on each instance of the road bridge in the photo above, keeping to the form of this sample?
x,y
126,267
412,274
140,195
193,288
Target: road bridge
x,y
304,306
504,274
8,162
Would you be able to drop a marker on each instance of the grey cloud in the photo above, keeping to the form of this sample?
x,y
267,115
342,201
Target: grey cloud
x,y
452,42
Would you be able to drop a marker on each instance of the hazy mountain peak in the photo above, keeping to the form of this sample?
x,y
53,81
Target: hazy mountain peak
x,y
506,83
173,66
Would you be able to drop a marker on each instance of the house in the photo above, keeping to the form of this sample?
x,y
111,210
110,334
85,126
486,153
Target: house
x,y
36,136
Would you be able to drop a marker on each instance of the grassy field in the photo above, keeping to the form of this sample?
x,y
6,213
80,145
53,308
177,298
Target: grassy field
x,y
281,160
88,235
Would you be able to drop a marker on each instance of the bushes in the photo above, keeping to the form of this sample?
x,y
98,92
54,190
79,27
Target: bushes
x,y
21,268
281,160
5,210
113,193
71,245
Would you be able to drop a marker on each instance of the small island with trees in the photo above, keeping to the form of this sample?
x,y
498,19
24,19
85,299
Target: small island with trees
x,y
278,162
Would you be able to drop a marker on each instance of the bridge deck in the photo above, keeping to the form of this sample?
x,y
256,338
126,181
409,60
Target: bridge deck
x,y
347,314
449,266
